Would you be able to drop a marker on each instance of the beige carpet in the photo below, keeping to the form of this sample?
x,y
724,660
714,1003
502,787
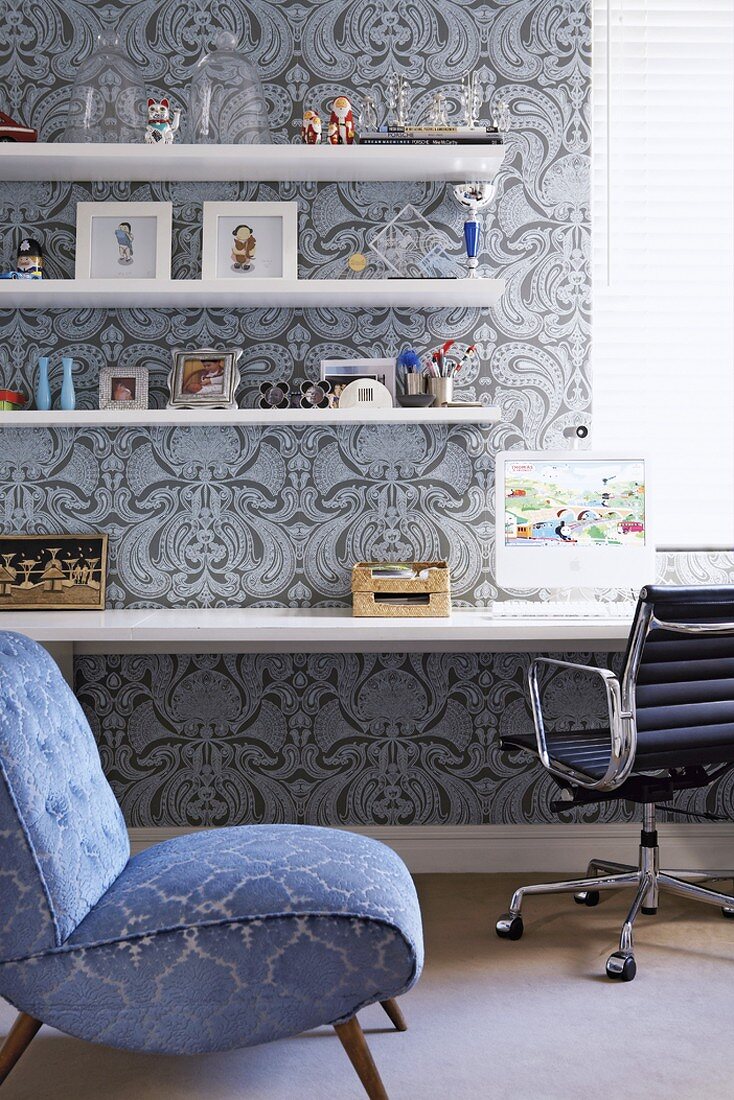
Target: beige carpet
x,y
534,1020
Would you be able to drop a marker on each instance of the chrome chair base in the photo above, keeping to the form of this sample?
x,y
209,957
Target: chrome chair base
x,y
648,881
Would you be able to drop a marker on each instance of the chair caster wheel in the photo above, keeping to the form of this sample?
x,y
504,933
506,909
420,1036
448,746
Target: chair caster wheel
x,y
509,927
587,897
727,912
621,967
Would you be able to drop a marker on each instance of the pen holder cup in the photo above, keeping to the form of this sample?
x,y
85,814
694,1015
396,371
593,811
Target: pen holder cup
x,y
414,384
442,389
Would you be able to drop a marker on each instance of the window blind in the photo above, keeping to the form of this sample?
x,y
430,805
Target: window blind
x,y
663,254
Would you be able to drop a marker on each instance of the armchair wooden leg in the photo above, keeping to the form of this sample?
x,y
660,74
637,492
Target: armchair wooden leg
x,y
353,1040
395,1014
19,1036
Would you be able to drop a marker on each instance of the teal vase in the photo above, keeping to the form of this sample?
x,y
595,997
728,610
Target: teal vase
x,y
68,397
43,390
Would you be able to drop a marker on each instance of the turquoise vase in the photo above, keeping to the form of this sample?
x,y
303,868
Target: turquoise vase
x,y
43,390
68,397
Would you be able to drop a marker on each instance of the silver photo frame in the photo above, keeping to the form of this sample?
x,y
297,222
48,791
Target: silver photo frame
x,y
123,388
204,378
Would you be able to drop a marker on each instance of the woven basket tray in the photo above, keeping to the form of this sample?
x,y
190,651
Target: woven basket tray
x,y
436,586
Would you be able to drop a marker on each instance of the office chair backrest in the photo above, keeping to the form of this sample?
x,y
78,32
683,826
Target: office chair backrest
x,y
62,836
681,681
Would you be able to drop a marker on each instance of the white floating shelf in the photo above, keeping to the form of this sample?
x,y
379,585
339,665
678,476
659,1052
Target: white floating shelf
x,y
152,418
284,630
250,293
343,163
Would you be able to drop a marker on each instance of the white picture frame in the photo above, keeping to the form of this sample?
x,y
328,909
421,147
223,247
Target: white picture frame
x,y
100,249
273,236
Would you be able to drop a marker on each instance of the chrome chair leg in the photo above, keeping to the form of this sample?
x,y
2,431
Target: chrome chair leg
x,y
621,964
600,867
510,925
607,866
691,890
648,880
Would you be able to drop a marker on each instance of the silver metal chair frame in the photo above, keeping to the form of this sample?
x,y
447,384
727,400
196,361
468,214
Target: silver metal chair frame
x,y
647,877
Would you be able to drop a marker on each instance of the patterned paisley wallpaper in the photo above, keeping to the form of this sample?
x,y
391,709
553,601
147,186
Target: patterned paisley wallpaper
x,y
223,516
325,739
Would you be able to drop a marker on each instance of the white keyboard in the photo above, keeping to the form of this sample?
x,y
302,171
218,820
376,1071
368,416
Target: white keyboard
x,y
563,609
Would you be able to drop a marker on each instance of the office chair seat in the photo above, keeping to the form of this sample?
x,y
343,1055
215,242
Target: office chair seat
x,y
588,749
670,727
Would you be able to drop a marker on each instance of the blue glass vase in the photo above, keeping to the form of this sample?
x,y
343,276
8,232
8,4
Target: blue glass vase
x,y
471,241
68,397
43,390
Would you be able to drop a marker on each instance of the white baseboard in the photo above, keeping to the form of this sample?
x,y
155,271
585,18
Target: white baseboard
x,y
532,848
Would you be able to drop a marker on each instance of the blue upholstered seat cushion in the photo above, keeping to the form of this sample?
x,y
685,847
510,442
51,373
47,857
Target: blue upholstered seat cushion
x,y
230,938
62,836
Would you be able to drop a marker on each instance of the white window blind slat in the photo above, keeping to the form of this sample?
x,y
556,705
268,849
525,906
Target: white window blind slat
x,y
663,254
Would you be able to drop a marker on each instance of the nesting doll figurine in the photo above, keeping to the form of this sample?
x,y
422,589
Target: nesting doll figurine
x,y
29,261
341,122
311,128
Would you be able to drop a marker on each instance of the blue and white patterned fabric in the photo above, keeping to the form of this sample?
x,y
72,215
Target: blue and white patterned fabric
x,y
213,940
62,836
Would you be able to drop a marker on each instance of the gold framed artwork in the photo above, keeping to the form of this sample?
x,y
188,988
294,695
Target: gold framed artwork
x,y
53,572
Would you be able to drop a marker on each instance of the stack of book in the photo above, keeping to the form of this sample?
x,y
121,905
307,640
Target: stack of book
x,y
433,135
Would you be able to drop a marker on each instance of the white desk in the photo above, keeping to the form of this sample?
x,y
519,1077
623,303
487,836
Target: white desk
x,y
307,630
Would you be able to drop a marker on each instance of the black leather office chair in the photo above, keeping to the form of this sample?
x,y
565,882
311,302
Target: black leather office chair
x,y
671,728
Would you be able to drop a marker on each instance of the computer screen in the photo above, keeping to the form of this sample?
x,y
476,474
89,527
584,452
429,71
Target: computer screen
x,y
573,519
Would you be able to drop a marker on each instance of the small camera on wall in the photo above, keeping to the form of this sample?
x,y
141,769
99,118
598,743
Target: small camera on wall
x,y
577,433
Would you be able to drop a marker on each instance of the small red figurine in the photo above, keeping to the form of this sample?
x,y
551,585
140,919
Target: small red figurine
x,y
13,131
341,123
311,128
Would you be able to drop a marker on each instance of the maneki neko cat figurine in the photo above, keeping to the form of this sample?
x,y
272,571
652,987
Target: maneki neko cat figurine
x,y
160,129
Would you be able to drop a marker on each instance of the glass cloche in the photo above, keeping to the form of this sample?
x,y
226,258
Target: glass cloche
x,y
108,100
227,105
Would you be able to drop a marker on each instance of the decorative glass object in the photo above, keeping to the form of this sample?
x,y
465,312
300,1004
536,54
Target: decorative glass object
x,y
227,104
411,248
368,115
501,116
473,197
438,116
396,97
108,101
471,99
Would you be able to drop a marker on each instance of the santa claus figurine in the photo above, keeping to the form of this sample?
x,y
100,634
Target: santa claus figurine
x,y
311,128
341,122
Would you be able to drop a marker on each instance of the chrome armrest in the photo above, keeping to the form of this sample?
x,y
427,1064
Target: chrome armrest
x,y
622,728
693,628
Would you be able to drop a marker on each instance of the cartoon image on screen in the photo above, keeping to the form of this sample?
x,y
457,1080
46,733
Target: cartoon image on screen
x,y
576,503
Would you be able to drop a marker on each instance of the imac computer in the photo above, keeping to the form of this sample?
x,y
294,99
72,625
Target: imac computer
x,y
573,519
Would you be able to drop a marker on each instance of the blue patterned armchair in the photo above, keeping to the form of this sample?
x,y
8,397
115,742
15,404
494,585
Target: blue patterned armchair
x,y
211,941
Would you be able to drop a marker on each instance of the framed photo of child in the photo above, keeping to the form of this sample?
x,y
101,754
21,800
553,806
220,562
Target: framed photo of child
x,y
250,240
123,388
204,378
123,240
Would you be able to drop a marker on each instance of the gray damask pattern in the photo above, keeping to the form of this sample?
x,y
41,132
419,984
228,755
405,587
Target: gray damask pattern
x,y
347,739
533,346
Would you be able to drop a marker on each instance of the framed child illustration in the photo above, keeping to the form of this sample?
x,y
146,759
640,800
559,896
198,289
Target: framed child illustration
x,y
250,240
123,240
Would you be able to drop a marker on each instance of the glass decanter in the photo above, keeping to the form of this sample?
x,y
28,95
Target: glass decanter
x,y
226,102
108,101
